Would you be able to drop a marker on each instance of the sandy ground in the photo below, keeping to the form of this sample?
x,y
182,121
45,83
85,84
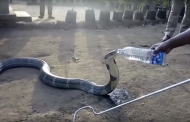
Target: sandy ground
x,y
23,98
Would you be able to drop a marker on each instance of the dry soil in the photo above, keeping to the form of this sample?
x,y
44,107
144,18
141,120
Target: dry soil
x,y
24,98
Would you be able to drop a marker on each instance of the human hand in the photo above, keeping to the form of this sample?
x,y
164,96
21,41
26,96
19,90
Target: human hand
x,y
161,47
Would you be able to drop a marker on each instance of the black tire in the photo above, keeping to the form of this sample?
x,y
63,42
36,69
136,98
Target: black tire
x,y
104,17
161,14
138,15
150,15
90,16
117,15
128,15
71,16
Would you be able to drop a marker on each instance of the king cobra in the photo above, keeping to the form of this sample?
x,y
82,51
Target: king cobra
x,y
70,83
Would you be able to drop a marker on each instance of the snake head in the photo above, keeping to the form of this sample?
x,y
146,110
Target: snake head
x,y
111,55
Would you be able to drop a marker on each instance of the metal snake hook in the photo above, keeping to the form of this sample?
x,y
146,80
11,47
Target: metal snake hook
x,y
131,101
74,118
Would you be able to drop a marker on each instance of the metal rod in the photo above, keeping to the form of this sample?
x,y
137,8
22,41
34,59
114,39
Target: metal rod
x,y
134,100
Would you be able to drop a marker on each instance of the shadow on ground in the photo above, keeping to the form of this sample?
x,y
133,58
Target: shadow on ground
x,y
46,99
66,47
10,39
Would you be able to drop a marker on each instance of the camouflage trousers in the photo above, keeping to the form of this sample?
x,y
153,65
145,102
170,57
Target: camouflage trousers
x,y
174,16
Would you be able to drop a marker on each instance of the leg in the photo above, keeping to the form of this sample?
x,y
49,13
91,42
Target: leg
x,y
186,18
50,7
42,8
173,18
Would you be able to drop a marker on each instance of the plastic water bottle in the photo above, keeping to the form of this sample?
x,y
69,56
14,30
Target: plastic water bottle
x,y
143,55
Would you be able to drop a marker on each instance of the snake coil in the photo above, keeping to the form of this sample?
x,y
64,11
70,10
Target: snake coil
x,y
71,83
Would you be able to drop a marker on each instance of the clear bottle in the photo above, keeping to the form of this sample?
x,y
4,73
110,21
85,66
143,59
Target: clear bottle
x,y
143,55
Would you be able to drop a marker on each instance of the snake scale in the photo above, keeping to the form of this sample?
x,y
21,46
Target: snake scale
x,y
71,83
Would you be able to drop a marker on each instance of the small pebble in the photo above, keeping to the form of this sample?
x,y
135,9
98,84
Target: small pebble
x,y
34,110
75,59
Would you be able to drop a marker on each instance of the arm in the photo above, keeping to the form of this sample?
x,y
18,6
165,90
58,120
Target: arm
x,y
177,41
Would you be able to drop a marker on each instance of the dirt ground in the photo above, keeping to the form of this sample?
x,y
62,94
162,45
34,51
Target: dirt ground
x,y
24,98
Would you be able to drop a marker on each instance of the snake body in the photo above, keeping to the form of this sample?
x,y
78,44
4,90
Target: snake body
x,y
71,83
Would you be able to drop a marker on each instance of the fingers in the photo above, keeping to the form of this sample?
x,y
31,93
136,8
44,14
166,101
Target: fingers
x,y
155,45
156,48
161,47
156,51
